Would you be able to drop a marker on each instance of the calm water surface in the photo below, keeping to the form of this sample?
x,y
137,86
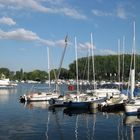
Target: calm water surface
x,y
37,121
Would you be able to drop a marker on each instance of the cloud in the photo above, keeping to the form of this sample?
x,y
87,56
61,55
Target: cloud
x,y
55,2
7,21
121,13
100,13
27,35
106,52
20,4
47,42
84,46
19,34
54,7
52,43
70,12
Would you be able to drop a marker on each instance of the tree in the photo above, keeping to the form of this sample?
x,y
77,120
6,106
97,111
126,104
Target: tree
x,y
5,71
106,67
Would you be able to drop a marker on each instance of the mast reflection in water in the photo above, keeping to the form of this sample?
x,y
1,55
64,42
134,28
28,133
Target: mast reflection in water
x,y
37,121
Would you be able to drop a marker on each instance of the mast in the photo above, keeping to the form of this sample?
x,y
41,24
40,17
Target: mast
x,y
59,70
123,59
48,52
132,72
134,47
93,68
88,63
66,43
76,66
119,62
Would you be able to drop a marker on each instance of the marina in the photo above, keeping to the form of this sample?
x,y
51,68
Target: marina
x,y
69,70
37,120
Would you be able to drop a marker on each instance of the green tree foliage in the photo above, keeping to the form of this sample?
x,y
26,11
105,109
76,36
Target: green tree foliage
x,y
37,75
64,74
106,68
5,71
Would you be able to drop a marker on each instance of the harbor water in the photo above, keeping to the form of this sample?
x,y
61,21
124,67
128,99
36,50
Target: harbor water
x,y
37,121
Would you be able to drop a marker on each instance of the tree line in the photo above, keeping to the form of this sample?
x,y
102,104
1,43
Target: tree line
x,y
106,68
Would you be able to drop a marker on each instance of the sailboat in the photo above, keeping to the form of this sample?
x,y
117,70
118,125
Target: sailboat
x,y
40,96
45,96
132,107
116,101
103,93
81,101
77,103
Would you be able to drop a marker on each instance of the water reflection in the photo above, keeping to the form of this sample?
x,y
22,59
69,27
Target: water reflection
x,y
72,112
76,128
34,105
132,122
86,124
4,94
129,120
37,121
47,126
84,121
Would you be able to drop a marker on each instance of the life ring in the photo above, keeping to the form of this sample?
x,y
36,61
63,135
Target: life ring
x,y
71,87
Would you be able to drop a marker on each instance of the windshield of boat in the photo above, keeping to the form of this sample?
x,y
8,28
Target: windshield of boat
x,y
109,86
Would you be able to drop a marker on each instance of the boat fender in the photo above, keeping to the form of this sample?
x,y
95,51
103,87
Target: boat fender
x,y
52,101
70,102
31,96
22,99
60,96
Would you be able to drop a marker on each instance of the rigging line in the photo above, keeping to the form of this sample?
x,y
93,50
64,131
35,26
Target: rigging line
x,y
84,72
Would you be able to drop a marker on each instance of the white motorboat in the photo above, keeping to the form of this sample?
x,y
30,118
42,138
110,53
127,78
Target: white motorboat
x,y
105,92
6,83
114,103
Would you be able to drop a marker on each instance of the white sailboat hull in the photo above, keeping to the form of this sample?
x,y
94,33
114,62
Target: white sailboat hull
x,y
43,96
132,109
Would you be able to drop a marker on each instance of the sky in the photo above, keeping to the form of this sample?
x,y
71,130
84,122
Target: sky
x,y
28,27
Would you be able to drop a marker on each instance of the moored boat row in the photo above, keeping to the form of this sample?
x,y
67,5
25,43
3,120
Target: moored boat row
x,y
103,98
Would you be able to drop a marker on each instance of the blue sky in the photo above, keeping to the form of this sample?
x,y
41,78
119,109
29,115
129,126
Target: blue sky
x,y
28,27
